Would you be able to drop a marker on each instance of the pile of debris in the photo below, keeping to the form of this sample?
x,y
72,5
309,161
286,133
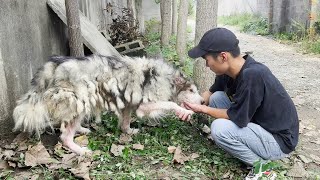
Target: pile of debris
x,y
124,28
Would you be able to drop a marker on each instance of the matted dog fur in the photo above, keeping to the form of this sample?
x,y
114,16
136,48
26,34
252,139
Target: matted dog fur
x,y
67,89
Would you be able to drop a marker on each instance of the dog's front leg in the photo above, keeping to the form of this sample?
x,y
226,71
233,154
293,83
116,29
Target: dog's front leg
x,y
97,116
157,109
68,131
82,130
125,120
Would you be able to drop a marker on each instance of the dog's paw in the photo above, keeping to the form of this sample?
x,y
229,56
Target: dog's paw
x,y
83,130
184,114
98,120
140,113
85,151
132,131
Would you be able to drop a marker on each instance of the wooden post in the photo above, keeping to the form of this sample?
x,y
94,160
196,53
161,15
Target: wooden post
x,y
74,31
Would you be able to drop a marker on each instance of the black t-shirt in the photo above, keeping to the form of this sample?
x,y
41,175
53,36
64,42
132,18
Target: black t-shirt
x,y
257,96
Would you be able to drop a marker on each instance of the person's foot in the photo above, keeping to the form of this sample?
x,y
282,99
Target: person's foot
x,y
269,174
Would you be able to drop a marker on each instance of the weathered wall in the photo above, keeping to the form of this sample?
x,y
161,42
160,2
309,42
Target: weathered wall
x,y
97,12
263,8
98,15
231,7
29,33
288,15
94,11
151,10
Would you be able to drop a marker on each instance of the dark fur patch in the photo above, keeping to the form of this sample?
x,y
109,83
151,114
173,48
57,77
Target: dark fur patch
x,y
35,79
148,75
61,59
115,62
183,87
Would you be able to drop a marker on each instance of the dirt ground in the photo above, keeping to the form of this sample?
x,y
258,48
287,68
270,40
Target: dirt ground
x,y
299,73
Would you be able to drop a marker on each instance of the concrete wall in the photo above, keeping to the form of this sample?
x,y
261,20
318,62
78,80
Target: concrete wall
x,y
151,10
99,16
29,33
97,13
263,8
231,7
94,11
299,12
287,14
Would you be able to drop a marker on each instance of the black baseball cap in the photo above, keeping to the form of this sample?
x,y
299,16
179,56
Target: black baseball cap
x,y
215,40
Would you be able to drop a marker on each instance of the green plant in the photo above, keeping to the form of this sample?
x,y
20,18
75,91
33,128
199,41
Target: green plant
x,y
152,26
312,46
191,8
152,37
316,27
247,23
235,20
262,166
153,48
257,25
286,36
154,159
189,29
6,174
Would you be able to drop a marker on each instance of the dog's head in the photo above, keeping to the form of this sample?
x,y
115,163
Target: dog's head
x,y
186,90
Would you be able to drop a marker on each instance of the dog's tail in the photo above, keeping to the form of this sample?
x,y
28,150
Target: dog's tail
x,y
31,114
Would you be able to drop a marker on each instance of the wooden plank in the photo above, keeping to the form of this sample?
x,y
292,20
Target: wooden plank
x,y
92,38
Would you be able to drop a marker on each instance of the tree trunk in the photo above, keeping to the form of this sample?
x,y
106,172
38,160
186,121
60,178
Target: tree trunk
x,y
74,31
206,19
130,6
284,16
174,16
181,43
139,14
271,16
166,20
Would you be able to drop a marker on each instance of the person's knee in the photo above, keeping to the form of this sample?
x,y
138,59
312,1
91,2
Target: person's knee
x,y
218,129
215,97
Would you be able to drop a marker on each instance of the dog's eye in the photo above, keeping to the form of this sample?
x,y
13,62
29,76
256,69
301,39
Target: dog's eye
x,y
191,90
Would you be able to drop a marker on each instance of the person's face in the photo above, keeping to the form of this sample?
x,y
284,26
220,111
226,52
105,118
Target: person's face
x,y
218,65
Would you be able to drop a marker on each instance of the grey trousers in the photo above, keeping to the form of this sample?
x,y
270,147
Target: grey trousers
x,y
249,144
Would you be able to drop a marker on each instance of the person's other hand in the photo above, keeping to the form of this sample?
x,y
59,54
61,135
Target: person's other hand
x,y
194,107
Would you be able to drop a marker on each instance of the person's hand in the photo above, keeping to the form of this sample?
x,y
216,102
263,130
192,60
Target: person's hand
x,y
194,107
184,114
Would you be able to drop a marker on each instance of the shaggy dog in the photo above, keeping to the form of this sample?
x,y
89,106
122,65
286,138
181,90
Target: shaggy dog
x,y
68,89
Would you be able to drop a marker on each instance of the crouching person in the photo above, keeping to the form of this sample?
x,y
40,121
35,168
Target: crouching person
x,y
255,117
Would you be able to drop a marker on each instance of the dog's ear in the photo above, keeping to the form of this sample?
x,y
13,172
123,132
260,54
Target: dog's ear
x,y
179,80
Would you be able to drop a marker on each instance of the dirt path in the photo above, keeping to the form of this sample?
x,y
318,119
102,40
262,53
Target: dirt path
x,y
300,74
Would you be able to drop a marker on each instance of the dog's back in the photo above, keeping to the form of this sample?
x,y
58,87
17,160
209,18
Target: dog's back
x,y
68,88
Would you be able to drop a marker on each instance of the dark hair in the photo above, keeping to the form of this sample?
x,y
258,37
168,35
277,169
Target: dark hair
x,y
234,53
